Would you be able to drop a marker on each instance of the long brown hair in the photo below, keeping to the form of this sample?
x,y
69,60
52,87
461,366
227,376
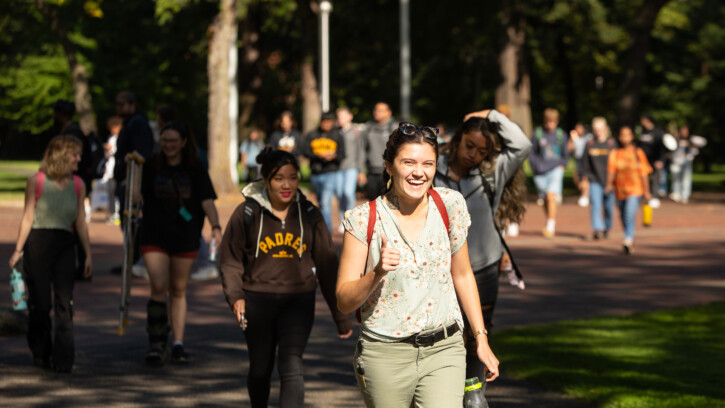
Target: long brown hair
x,y
511,208
55,159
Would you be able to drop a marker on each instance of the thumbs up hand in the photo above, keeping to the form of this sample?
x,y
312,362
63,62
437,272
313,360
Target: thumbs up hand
x,y
389,258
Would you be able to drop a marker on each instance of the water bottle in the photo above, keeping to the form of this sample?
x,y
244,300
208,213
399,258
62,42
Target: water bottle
x,y
473,396
17,289
647,215
212,250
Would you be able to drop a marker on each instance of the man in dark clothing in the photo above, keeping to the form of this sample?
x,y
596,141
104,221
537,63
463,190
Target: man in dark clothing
x,y
325,148
135,136
375,137
650,141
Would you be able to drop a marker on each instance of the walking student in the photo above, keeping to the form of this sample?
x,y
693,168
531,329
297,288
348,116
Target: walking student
x,y
53,209
628,176
325,148
177,196
549,156
486,152
405,264
594,162
352,166
275,249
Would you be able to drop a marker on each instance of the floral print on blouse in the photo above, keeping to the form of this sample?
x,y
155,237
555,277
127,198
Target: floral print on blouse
x,y
419,295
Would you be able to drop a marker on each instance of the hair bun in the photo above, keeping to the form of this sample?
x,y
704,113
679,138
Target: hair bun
x,y
263,154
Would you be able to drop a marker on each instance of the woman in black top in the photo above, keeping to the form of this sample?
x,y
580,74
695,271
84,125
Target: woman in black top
x,y
177,194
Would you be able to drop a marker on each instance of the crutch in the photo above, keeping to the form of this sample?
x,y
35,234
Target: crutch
x,y
130,214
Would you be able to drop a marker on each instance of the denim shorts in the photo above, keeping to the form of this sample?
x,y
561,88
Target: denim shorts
x,y
551,181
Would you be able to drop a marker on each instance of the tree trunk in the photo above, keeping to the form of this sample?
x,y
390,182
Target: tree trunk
x,y
572,110
79,74
311,108
515,90
223,110
250,79
635,64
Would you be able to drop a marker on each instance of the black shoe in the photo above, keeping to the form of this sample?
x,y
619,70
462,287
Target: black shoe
x,y
628,248
178,355
155,357
116,270
597,235
605,234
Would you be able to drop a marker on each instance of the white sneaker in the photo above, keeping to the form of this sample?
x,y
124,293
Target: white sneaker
x,y
140,271
540,202
205,273
583,201
512,230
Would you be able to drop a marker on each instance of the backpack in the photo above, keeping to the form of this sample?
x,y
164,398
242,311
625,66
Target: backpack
x,y
539,133
372,218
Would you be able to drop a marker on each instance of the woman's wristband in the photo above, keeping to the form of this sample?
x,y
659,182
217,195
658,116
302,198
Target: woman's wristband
x,y
480,331
20,251
217,226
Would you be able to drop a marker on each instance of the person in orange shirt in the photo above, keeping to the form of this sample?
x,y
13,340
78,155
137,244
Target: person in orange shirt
x,y
628,170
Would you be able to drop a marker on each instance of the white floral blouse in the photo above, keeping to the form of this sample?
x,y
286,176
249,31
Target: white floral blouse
x,y
419,295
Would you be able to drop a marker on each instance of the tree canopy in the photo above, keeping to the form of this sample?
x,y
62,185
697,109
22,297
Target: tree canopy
x,y
576,53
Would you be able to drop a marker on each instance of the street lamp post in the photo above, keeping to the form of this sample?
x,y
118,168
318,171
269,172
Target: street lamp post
x,y
404,60
325,10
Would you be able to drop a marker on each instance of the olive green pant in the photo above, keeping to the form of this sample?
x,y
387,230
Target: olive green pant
x,y
401,375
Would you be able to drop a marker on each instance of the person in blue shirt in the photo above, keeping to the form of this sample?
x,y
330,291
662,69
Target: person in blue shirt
x,y
248,152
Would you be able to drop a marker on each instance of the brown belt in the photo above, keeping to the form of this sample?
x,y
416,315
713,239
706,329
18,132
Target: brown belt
x,y
431,338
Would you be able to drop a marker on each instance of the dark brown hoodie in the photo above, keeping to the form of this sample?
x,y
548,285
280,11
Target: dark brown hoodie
x,y
276,256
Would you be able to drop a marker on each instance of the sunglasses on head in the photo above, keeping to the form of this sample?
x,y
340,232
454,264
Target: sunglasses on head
x,y
410,129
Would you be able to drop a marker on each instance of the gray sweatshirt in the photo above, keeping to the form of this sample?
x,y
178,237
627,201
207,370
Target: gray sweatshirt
x,y
375,136
484,245
354,149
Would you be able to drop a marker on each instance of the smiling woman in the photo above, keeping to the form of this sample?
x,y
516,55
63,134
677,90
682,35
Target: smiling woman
x,y
178,195
275,249
405,265
53,208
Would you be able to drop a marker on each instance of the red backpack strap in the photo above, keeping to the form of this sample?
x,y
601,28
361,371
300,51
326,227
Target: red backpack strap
x,y
78,186
441,207
39,184
372,217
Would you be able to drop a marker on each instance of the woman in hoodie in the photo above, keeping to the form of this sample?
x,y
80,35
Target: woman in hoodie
x,y
275,248
486,153
177,196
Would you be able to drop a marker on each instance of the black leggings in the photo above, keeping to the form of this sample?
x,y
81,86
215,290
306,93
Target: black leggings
x,y
487,283
284,321
49,262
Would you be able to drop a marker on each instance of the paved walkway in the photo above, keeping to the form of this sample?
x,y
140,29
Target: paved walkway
x,y
679,261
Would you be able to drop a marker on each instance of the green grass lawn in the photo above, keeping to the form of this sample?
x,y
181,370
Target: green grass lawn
x,y
666,359
14,176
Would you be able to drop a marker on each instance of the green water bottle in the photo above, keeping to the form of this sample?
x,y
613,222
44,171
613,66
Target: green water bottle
x,y
473,394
